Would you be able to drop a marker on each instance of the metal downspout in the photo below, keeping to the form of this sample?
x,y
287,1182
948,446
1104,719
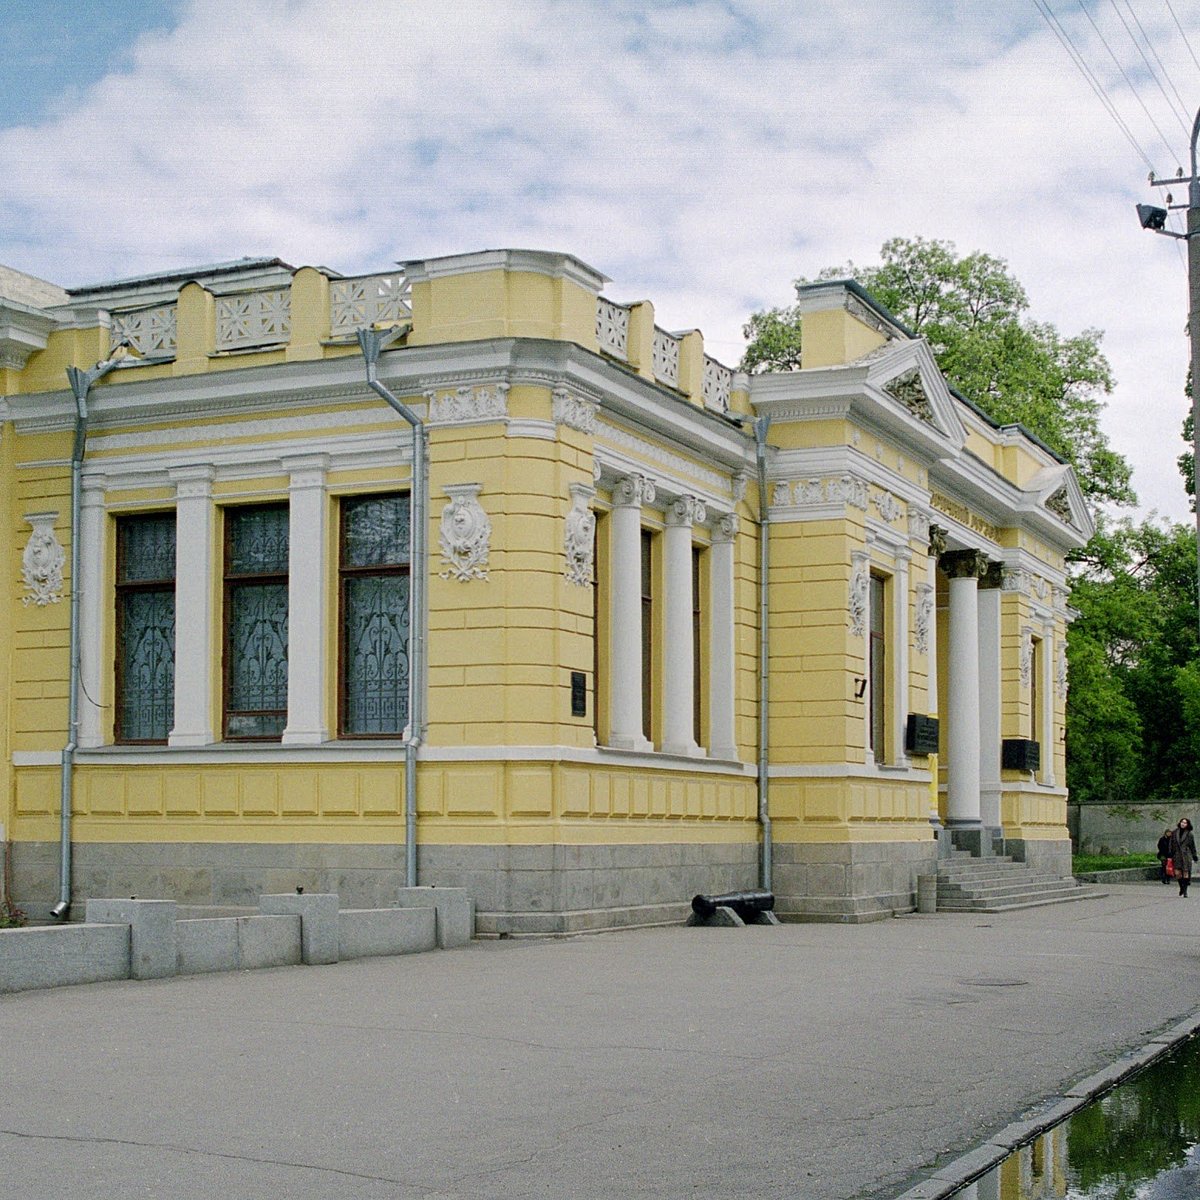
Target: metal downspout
x,y
371,342
761,425
81,384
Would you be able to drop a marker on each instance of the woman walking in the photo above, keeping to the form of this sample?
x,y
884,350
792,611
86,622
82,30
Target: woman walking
x,y
1164,852
1183,853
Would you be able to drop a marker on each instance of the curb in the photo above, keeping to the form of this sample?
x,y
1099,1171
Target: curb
x,y
945,1180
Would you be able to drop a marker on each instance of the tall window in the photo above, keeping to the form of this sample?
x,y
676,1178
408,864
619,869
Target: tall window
x,y
256,621
374,585
877,722
647,635
145,668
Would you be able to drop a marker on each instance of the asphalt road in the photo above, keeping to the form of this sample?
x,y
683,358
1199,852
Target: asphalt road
x,y
812,1062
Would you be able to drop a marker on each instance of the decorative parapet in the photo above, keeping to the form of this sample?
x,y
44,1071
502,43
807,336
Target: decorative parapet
x,y
42,562
148,331
666,358
718,380
612,328
368,300
254,319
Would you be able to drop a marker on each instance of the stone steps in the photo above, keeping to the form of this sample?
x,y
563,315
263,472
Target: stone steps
x,y
988,885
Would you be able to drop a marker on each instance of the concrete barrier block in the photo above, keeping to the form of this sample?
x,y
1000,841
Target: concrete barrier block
x,y
365,932
152,942
59,956
455,912
318,913
273,941
208,944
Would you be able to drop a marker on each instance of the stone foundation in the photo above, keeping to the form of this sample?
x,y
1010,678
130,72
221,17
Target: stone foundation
x,y
1048,857
854,882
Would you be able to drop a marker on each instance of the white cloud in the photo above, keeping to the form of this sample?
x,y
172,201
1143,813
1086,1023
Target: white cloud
x,y
702,154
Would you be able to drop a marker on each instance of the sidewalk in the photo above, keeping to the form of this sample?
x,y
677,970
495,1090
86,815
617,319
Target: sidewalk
x,y
806,1062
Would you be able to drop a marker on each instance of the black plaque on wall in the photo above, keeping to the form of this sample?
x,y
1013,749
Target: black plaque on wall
x,y
921,734
578,694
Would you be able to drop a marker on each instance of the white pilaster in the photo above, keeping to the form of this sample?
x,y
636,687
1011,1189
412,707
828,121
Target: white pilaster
x,y
900,601
989,706
307,587
962,769
625,695
679,662
194,522
90,589
722,742
1046,685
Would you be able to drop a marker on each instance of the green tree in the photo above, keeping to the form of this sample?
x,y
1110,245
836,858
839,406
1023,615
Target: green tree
x,y
974,314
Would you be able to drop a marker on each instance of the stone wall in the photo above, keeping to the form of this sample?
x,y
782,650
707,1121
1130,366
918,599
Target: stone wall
x,y
1132,828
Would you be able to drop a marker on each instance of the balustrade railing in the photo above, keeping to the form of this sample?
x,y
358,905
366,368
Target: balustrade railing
x,y
150,332
252,319
368,300
717,381
666,358
612,328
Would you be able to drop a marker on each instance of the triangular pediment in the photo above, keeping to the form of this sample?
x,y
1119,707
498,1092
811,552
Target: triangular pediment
x,y
1056,490
905,377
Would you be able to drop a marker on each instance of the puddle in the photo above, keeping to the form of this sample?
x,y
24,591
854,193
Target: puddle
x,y
1141,1141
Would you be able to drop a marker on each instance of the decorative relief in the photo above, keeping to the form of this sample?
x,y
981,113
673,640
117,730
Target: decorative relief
x,y
686,510
716,384
576,412
1060,505
918,524
665,358
633,490
466,534
937,541
924,618
580,535
1016,579
262,318
1026,655
860,582
964,516
42,562
466,405
1060,672
908,390
804,493
888,506
612,328
369,300
150,331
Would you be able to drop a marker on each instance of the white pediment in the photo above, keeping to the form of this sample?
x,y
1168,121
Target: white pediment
x,y
1056,490
904,376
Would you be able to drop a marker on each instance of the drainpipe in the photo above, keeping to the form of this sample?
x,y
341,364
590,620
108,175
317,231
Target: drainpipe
x,y
81,384
371,342
761,425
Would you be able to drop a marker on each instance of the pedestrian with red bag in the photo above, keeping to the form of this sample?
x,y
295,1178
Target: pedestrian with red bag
x,y
1183,853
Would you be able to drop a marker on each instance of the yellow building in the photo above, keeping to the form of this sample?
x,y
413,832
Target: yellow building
x,y
247,646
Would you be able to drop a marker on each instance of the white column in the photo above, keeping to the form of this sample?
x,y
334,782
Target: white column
x,y
900,654
989,706
625,697
195,519
91,593
1046,684
679,661
962,769
722,742
307,590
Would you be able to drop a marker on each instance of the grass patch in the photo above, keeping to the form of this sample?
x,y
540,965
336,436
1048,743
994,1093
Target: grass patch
x,y
1110,862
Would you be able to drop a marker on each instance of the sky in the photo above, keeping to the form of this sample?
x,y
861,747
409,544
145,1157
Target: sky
x,y
703,154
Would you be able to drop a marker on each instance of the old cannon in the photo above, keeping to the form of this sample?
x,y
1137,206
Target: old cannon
x,y
750,905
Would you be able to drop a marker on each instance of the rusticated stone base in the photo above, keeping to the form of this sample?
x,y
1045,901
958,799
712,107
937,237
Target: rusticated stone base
x,y
1048,857
849,882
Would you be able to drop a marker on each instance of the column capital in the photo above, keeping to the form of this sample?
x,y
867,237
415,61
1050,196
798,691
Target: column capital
x,y
993,576
685,511
725,528
194,482
632,491
964,564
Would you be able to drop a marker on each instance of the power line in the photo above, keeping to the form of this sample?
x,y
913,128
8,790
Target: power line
x,y
1056,27
1182,108
1183,35
1129,82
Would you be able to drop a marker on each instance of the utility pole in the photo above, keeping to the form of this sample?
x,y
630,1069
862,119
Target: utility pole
x,y
1155,219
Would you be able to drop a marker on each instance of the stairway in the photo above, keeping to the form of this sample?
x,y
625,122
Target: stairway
x,y
990,885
